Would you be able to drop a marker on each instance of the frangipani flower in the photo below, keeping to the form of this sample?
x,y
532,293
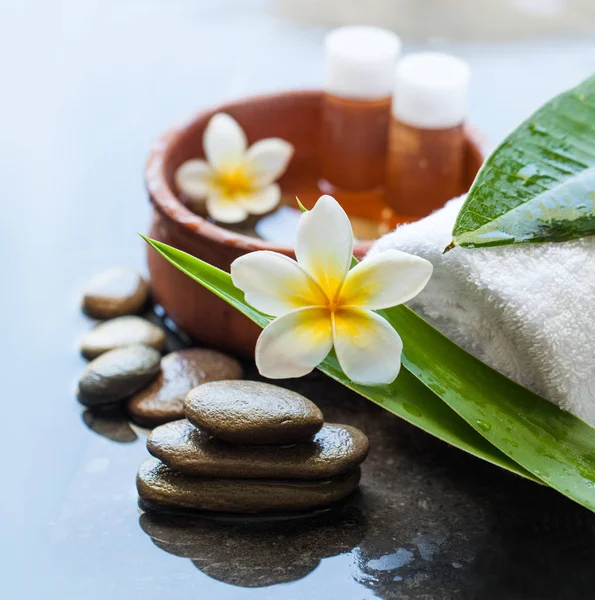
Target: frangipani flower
x,y
235,180
320,303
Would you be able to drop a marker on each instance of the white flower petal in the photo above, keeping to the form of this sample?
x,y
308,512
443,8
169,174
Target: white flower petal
x,y
274,284
324,244
386,279
225,210
293,345
268,159
263,200
367,347
193,179
224,142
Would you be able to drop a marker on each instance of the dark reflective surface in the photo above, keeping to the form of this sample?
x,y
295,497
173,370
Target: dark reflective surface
x,y
428,522
86,87
111,423
257,552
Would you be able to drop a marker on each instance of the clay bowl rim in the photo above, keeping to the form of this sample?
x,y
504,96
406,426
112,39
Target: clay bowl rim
x,y
170,206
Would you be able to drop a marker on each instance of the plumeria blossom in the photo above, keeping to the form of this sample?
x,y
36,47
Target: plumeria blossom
x,y
320,303
235,180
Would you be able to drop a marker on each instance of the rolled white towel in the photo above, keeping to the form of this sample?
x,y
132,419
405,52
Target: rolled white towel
x,y
528,310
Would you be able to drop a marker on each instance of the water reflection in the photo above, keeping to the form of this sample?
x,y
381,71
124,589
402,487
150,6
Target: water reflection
x,y
175,338
534,544
256,552
111,423
419,566
438,523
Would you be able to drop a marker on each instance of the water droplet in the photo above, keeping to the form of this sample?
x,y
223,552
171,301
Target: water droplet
x,y
483,425
542,474
588,476
412,409
536,128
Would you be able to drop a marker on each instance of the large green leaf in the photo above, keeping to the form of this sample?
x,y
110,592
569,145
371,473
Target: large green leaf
x,y
539,184
407,398
552,445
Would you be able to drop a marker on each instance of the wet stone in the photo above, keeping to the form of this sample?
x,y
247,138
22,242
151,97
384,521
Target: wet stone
x,y
115,292
120,332
163,400
117,374
160,486
334,449
250,412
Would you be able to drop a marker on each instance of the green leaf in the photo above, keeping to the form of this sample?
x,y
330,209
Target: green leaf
x,y
300,205
449,393
550,443
407,398
539,184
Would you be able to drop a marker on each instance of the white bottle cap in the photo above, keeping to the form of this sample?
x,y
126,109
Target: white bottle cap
x,y
360,62
431,90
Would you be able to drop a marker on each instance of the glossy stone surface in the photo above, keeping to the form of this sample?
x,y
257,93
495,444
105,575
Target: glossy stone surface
x,y
163,400
250,412
120,332
115,292
117,374
158,485
334,449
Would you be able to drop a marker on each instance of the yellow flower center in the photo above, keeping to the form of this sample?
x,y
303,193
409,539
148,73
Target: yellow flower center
x,y
333,290
233,182
334,304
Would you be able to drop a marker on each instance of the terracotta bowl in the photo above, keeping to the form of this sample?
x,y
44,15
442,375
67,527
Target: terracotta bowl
x,y
294,116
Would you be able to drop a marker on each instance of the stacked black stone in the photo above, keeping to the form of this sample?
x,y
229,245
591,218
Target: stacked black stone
x,y
249,447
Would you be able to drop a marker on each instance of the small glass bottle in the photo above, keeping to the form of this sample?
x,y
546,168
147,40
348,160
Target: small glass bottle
x,y
426,149
360,63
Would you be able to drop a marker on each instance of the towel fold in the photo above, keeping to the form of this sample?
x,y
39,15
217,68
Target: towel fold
x,y
528,310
